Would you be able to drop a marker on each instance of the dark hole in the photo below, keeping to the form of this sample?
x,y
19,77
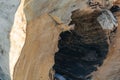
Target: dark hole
x,y
115,8
82,50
